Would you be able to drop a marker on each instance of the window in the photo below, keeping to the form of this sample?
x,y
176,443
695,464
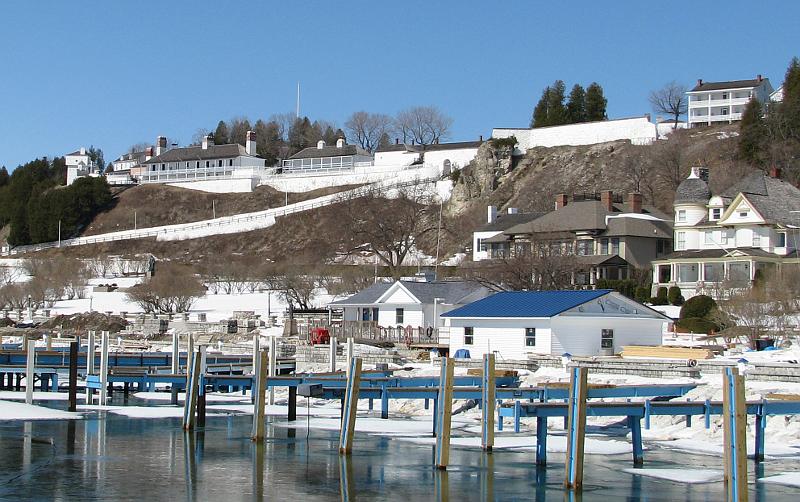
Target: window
x,y
603,246
197,165
781,240
398,316
481,245
716,213
585,247
713,272
743,213
530,337
681,215
709,237
724,111
680,240
724,95
607,339
208,164
163,167
615,245
687,272
756,239
219,163
468,335
739,271
230,162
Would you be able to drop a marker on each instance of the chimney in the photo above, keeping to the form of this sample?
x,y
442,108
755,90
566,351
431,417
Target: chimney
x,y
607,199
635,202
647,116
775,172
699,81
161,145
561,200
397,141
250,144
512,210
480,138
759,78
83,150
491,214
148,153
208,140
320,144
340,143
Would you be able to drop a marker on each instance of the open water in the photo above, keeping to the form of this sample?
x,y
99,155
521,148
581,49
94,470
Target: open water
x,y
110,457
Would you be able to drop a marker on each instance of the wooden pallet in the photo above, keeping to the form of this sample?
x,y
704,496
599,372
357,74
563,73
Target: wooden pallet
x,y
666,352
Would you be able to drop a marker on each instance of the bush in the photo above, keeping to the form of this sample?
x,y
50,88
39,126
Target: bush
x,y
626,287
674,296
503,142
642,294
696,325
661,297
698,306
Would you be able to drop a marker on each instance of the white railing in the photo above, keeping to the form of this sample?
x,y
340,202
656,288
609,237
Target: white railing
x,y
222,225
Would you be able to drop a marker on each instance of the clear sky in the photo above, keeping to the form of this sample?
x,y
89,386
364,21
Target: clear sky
x,y
111,74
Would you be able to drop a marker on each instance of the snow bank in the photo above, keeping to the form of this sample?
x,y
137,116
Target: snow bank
x,y
21,411
691,476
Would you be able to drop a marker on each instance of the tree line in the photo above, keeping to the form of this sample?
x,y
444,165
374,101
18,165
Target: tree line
x,y
33,201
582,105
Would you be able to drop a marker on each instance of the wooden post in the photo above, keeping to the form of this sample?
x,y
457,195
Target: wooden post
x,y
348,426
190,404
734,422
73,376
201,388
292,404
48,342
104,368
576,428
273,365
347,491
445,411
176,365
189,359
488,403
350,352
256,359
257,433
332,354
90,363
541,441
30,364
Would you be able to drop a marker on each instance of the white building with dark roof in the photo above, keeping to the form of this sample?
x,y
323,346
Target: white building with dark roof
x,y
729,237
79,165
443,156
206,162
323,158
720,102
496,223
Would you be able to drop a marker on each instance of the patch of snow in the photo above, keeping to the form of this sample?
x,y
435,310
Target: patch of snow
x,y
20,411
784,478
690,476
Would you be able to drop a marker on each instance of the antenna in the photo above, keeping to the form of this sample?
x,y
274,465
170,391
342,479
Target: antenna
x,y
297,109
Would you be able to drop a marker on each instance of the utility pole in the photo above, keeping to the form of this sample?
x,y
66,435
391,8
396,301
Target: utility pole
x,y
59,233
297,108
134,219
214,208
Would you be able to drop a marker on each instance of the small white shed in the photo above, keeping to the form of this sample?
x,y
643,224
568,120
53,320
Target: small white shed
x,y
520,323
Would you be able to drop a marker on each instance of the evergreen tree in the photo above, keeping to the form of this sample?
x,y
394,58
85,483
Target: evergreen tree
x,y
539,118
753,134
221,136
3,177
595,103
268,141
384,141
576,105
789,108
556,111
238,131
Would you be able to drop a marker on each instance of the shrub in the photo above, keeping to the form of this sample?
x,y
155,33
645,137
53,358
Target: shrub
x,y
698,306
642,294
696,325
626,287
171,289
674,296
503,142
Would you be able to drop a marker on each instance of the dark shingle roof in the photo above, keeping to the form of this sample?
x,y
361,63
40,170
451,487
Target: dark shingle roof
x,y
197,153
527,303
731,84
773,198
431,148
312,152
638,227
692,191
587,215
450,292
505,221
719,253
76,152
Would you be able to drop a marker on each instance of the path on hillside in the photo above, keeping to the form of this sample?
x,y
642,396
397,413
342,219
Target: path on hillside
x,y
243,222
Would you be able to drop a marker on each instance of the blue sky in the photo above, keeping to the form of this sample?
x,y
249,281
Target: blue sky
x,y
111,74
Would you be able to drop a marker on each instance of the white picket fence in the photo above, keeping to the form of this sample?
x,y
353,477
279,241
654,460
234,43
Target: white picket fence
x,y
218,226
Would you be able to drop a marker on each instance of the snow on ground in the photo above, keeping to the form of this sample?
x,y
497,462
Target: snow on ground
x,y
784,478
680,475
20,411
14,395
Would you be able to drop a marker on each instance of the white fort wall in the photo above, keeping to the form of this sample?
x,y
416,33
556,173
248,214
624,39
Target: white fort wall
x,y
638,130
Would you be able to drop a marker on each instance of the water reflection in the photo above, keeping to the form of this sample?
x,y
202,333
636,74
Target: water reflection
x,y
487,477
441,482
346,484
190,465
257,449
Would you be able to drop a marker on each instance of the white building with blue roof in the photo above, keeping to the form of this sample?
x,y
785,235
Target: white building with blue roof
x,y
517,324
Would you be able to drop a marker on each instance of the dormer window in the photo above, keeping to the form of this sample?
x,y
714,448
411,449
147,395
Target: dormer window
x,y
716,214
681,215
781,240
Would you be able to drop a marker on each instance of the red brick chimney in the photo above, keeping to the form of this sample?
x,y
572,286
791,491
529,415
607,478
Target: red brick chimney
x,y
775,172
607,199
561,200
635,202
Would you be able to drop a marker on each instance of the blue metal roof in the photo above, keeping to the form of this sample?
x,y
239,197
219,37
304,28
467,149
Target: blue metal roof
x,y
527,303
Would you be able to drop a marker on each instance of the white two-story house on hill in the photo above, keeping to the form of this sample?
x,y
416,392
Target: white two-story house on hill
x,y
726,239
720,102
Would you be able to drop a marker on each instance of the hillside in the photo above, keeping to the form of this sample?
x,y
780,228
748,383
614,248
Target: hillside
x,y
527,182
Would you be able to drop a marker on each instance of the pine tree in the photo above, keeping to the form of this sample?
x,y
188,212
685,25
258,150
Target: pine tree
x,y
576,105
595,103
556,111
3,177
753,134
539,118
221,136
789,108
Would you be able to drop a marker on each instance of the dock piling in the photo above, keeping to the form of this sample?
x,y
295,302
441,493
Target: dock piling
x,y
190,404
332,354
576,427
273,365
73,376
734,420
29,366
90,364
488,403
444,413
258,408
176,366
348,425
104,368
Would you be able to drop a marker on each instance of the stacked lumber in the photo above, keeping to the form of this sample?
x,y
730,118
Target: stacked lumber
x,y
497,373
783,397
666,352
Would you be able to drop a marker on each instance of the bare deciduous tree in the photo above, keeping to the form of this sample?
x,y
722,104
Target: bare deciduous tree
x,y
366,129
172,289
671,100
424,125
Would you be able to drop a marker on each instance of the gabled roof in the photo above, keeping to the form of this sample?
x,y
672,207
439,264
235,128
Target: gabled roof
x,y
773,198
430,148
505,221
77,153
449,292
312,152
197,153
721,253
527,303
731,84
